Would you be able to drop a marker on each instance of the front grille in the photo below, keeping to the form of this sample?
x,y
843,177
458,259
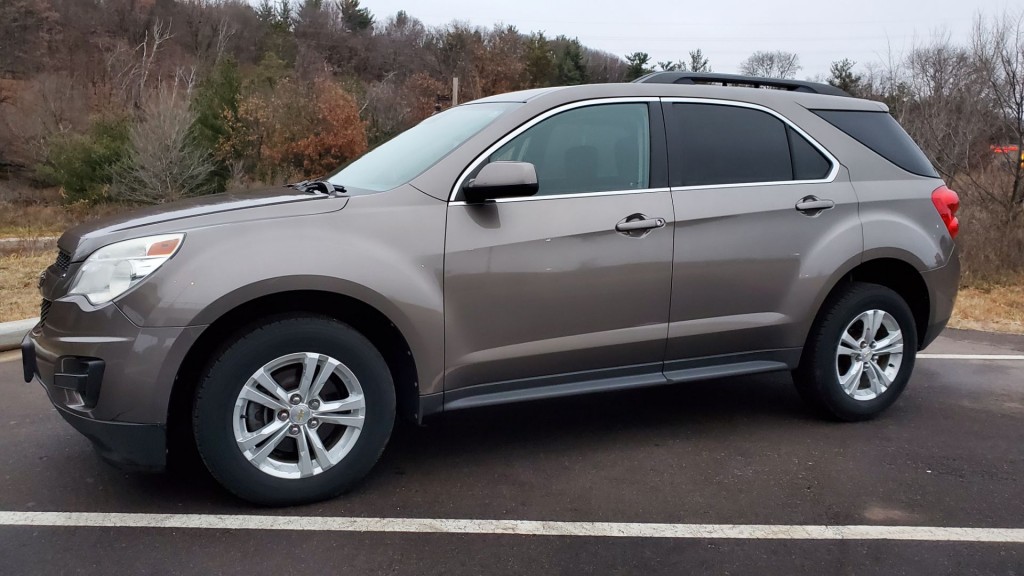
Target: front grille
x,y
63,261
44,308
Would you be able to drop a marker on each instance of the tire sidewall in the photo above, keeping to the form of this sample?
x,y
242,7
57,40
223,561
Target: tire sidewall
x,y
218,392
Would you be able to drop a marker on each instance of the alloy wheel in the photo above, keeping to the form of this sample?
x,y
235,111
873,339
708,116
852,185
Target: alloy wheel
x,y
299,415
869,355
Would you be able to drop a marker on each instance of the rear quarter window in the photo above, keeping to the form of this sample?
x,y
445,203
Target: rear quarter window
x,y
880,132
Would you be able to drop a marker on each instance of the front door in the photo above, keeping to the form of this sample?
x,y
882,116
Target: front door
x,y
570,285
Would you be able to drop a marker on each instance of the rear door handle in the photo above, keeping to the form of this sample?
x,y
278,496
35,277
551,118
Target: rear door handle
x,y
639,222
812,205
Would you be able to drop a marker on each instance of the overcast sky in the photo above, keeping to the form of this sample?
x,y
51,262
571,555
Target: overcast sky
x,y
728,31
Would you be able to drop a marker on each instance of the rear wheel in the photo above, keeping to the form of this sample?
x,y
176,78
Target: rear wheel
x,y
297,410
860,353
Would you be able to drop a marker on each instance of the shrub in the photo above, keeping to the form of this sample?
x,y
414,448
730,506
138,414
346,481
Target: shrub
x,y
84,165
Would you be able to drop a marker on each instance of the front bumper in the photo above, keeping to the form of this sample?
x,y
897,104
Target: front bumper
x,y
135,447
110,379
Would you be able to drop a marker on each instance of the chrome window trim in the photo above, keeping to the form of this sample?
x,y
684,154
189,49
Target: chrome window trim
x,y
564,196
530,124
830,177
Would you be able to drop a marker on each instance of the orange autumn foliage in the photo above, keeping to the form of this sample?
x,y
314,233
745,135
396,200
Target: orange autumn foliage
x,y
295,131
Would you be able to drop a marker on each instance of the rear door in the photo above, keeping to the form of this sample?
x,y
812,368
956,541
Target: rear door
x,y
571,285
764,218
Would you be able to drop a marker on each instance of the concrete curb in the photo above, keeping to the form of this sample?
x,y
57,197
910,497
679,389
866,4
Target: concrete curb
x,y
12,333
12,245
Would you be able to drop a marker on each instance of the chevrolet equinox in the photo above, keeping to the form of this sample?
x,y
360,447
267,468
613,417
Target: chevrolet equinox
x,y
529,245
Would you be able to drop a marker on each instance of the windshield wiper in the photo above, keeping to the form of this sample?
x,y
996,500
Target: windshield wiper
x,y
321,186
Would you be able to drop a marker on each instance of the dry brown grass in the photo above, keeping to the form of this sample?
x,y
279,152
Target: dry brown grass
x,y
995,308
36,220
19,277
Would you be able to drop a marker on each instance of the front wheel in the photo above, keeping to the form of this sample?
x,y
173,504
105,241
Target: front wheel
x,y
860,353
297,410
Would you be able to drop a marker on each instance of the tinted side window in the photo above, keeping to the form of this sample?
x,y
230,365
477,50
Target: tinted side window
x,y
719,144
808,162
592,149
880,132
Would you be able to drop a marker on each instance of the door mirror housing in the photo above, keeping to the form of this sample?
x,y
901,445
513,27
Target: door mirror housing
x,y
502,180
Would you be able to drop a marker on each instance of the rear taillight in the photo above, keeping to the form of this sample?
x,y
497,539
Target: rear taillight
x,y
947,203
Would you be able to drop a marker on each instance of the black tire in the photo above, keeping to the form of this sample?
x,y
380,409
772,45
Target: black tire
x,y
212,415
817,379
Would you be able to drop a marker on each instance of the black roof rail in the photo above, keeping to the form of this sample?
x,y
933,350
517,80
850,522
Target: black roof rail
x,y
737,80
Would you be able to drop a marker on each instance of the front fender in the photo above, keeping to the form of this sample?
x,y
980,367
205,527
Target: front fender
x,y
385,250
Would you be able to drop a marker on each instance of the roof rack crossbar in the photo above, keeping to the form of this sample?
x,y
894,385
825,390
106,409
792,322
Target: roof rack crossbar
x,y
738,80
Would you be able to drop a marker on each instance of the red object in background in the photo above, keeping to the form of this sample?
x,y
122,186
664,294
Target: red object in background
x,y
1003,149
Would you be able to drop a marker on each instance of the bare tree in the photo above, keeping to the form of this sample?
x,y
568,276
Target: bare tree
x,y
131,69
998,47
163,164
948,112
771,64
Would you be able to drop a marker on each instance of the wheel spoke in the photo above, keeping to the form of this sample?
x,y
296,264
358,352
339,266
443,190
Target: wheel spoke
x,y
254,439
891,344
270,445
883,378
309,364
322,456
845,350
849,341
322,377
877,379
350,403
305,462
253,395
872,323
851,380
271,385
342,420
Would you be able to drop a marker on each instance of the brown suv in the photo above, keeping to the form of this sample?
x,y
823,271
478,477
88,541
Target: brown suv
x,y
524,246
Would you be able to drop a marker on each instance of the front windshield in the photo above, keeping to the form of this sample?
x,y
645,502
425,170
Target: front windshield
x,y
410,153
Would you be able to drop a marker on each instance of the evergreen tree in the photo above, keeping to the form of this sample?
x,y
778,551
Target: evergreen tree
x,y
356,19
572,70
698,62
637,65
540,60
841,76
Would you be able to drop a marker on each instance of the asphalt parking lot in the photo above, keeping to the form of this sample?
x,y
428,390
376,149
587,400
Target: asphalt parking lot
x,y
639,482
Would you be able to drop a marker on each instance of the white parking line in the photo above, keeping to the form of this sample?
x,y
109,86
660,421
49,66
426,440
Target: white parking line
x,y
511,527
972,356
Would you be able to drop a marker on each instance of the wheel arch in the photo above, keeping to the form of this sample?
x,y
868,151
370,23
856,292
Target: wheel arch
x,y
893,272
365,318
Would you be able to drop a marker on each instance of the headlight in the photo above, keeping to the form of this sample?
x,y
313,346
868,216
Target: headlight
x,y
112,270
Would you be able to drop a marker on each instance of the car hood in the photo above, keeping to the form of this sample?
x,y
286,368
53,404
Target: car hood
x,y
202,211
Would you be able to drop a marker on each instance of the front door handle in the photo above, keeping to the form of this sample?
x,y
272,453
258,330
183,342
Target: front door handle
x,y
638,224
812,205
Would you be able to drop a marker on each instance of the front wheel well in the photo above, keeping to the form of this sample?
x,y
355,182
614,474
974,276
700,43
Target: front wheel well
x,y
898,276
367,320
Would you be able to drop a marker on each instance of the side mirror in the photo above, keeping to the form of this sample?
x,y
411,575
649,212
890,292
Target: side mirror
x,y
502,180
